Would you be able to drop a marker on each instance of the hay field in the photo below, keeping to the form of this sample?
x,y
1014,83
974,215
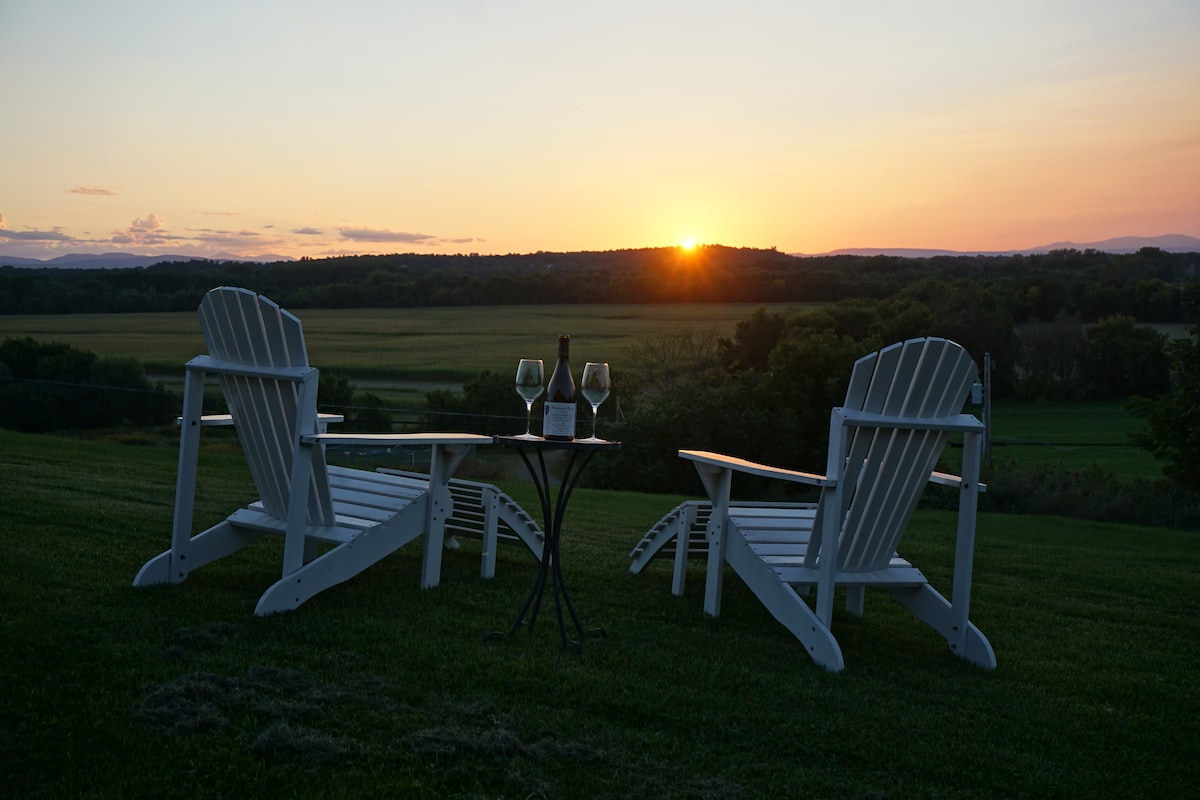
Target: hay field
x,y
435,345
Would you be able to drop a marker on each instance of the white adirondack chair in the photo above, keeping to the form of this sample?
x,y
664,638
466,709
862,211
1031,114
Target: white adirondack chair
x,y
336,522
902,405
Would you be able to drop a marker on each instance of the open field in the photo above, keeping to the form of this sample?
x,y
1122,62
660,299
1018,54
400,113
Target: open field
x,y
378,689
440,345
1075,435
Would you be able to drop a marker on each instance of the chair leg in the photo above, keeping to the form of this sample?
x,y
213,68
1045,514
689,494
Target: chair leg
x,y
344,561
190,423
156,570
683,534
311,549
854,600
717,483
784,603
491,526
443,461
221,540
935,610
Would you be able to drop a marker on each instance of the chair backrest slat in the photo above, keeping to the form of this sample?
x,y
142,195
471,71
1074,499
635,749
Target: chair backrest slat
x,y
886,469
245,329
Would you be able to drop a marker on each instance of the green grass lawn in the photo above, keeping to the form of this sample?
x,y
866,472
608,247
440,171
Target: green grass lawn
x,y
1075,435
379,689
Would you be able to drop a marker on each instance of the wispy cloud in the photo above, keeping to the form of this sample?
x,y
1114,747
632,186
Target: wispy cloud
x,y
225,237
152,233
96,191
384,236
55,234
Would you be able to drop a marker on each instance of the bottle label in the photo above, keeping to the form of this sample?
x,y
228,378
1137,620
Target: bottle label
x,y
558,420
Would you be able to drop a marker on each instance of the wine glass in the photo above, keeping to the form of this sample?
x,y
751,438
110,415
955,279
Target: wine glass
x,y
530,377
596,385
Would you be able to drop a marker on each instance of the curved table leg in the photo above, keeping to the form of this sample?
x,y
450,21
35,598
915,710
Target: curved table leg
x,y
550,566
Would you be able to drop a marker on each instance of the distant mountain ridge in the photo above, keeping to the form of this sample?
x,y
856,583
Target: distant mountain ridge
x,y
1171,243
126,260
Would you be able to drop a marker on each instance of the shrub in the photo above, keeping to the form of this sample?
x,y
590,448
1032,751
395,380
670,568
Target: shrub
x,y
1125,359
1093,493
371,414
1050,361
1172,430
487,405
53,386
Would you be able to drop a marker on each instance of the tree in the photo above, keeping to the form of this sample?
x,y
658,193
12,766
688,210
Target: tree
x,y
1172,431
753,340
662,364
487,405
707,416
334,393
371,414
809,374
1125,359
1050,361
54,386
1047,299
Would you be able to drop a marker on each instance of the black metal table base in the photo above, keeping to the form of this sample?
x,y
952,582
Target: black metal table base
x,y
550,567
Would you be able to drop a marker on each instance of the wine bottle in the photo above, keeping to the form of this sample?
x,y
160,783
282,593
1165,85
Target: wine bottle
x,y
558,415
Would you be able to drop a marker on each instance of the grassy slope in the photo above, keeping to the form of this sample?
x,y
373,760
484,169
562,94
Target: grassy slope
x,y
378,689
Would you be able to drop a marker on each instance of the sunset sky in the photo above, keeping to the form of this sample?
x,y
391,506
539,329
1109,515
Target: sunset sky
x,y
304,128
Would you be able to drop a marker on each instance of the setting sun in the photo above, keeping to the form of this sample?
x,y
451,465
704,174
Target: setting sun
x,y
614,162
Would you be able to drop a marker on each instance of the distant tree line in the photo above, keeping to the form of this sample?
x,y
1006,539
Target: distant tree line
x,y
1151,285
51,386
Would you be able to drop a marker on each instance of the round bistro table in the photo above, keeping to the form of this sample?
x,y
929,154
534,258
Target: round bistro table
x,y
579,453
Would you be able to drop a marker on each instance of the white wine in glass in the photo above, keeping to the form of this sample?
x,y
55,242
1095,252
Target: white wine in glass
x,y
595,387
529,383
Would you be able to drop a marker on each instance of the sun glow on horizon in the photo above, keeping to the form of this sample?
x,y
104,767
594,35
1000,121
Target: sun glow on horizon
x,y
781,152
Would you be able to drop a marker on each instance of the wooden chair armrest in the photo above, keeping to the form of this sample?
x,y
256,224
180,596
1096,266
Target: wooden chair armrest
x,y
953,481
218,420
754,468
395,439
